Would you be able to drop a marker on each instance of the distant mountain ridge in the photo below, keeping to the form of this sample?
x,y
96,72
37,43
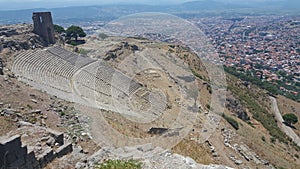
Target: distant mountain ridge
x,y
210,5
109,12
234,4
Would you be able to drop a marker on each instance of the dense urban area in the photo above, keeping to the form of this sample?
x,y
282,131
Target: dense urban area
x,y
261,49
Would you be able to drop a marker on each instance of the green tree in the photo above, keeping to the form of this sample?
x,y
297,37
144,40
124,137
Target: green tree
x,y
59,29
75,32
102,36
290,118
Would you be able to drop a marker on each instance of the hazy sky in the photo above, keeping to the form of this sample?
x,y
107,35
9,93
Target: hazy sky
x,y
19,4
25,4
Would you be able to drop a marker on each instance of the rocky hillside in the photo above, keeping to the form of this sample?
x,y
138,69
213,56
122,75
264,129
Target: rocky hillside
x,y
15,38
255,143
28,115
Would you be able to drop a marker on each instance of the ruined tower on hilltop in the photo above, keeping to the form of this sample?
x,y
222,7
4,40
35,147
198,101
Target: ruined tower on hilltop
x,y
43,26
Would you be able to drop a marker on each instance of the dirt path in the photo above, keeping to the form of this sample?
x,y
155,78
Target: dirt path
x,y
288,131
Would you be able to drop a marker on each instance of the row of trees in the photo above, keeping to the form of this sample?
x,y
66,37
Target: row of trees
x,y
71,32
289,118
269,86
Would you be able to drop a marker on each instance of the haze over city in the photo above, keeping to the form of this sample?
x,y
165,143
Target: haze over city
x,y
28,4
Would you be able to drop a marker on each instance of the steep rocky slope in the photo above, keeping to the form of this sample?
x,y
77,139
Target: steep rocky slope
x,y
251,146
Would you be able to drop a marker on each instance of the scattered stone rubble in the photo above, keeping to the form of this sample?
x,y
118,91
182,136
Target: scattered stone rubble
x,y
242,150
228,136
120,49
20,115
235,106
77,124
17,37
212,149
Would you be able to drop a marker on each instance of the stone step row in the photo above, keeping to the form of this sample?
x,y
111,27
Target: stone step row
x,y
113,77
72,58
43,68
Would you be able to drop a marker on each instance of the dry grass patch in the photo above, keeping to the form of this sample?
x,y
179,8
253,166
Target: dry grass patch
x,y
199,152
278,154
7,125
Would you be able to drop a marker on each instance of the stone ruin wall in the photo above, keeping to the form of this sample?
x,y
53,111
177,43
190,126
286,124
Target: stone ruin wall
x,y
43,26
15,155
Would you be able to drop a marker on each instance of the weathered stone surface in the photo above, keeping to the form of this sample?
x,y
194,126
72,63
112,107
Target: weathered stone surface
x,y
15,155
50,141
18,37
7,112
23,123
1,47
58,136
36,111
157,130
31,161
43,25
63,150
235,106
11,151
215,154
46,157
145,148
34,101
8,33
238,162
1,63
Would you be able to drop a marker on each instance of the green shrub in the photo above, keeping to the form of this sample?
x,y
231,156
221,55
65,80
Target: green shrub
x,y
62,113
120,164
58,29
273,140
260,113
29,106
73,43
250,124
83,51
207,106
197,74
32,119
208,87
231,121
290,118
102,36
263,138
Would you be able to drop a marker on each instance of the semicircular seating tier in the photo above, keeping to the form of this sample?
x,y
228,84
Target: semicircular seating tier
x,y
73,77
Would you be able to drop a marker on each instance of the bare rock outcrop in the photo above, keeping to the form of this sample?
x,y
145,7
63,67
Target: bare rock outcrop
x,y
151,157
236,107
18,37
1,67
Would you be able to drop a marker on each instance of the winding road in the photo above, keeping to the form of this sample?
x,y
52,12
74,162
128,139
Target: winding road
x,y
288,131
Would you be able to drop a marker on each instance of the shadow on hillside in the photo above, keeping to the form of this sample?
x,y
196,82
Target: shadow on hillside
x,y
289,125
